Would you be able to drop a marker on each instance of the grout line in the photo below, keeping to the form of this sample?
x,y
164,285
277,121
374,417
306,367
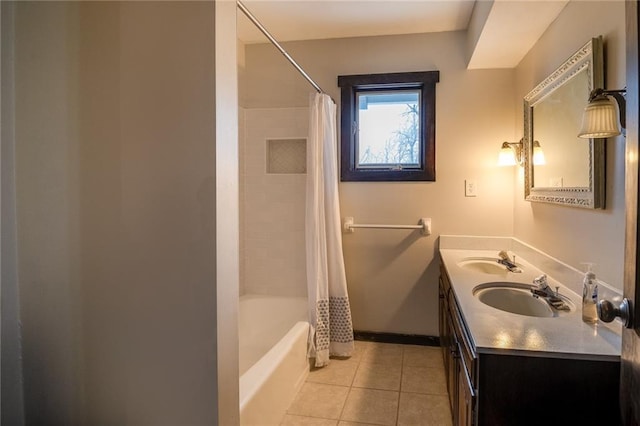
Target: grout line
x,y
349,391
400,390
364,349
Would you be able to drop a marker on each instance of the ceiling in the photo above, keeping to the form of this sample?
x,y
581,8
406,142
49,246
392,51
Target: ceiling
x,y
500,32
314,19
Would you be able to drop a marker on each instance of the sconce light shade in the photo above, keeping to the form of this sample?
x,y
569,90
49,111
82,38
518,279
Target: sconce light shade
x,y
510,154
538,155
507,157
600,119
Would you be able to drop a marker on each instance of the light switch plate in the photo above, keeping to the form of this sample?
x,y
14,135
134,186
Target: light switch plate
x,y
470,188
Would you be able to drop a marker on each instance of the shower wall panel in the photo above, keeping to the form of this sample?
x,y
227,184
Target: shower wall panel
x,y
273,206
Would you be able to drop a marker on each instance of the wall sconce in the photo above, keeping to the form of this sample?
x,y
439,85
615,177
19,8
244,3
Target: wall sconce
x,y
600,116
511,154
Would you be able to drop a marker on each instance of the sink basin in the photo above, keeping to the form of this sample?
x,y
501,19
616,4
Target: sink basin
x,y
485,265
514,298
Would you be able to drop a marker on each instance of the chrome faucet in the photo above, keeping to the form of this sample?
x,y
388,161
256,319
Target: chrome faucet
x,y
541,289
506,261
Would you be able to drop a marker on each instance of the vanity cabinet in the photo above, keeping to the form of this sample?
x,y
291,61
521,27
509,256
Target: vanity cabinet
x,y
466,399
458,355
491,386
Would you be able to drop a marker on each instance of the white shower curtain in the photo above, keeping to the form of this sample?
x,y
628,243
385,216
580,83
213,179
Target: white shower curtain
x,y
329,310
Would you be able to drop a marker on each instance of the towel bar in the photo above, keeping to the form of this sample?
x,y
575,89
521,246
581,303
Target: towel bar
x,y
424,225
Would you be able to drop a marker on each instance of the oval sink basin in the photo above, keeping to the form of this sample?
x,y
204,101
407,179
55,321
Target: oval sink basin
x,y
485,265
514,298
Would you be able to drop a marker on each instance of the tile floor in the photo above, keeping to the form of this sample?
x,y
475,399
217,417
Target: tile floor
x,y
381,384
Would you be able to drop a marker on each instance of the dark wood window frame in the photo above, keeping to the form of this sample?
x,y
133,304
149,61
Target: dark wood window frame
x,y
351,85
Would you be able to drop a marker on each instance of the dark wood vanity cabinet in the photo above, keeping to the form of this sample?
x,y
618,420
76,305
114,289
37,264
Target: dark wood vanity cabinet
x,y
494,388
459,357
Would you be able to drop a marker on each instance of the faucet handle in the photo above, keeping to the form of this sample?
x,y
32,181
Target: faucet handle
x,y
541,280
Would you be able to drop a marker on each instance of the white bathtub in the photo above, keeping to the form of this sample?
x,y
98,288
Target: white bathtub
x,y
273,356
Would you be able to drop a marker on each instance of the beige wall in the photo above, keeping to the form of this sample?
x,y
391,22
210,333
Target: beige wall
x,y
11,407
116,206
393,275
47,145
226,211
570,234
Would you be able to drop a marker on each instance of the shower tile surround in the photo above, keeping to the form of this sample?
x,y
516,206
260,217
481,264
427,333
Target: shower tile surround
x,y
273,206
382,384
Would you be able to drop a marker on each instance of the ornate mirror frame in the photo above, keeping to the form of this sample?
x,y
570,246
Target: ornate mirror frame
x,y
589,57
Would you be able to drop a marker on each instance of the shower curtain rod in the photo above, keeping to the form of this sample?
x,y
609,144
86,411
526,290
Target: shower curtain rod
x,y
264,31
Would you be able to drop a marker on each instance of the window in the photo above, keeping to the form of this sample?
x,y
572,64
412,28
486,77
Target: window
x,y
388,126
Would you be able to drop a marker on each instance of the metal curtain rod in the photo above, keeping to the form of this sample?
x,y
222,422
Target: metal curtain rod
x,y
264,31
424,225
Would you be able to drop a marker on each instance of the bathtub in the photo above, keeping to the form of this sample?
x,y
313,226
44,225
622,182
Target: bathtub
x,y
273,356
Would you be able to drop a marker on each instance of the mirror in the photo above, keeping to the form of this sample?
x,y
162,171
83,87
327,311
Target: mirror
x,y
573,172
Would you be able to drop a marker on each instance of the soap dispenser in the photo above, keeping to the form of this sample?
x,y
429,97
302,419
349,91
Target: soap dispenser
x,y
589,296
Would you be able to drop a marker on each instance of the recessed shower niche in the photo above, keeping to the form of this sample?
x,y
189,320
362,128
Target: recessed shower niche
x,y
286,156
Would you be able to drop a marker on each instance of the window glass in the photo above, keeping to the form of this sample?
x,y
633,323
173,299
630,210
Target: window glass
x,y
388,129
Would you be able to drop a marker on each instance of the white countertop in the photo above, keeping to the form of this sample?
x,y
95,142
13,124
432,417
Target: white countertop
x,y
496,331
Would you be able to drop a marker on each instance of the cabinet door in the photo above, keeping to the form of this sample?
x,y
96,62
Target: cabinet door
x,y
466,398
452,366
443,326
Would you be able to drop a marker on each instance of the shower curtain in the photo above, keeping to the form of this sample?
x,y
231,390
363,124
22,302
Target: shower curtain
x,y
329,310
